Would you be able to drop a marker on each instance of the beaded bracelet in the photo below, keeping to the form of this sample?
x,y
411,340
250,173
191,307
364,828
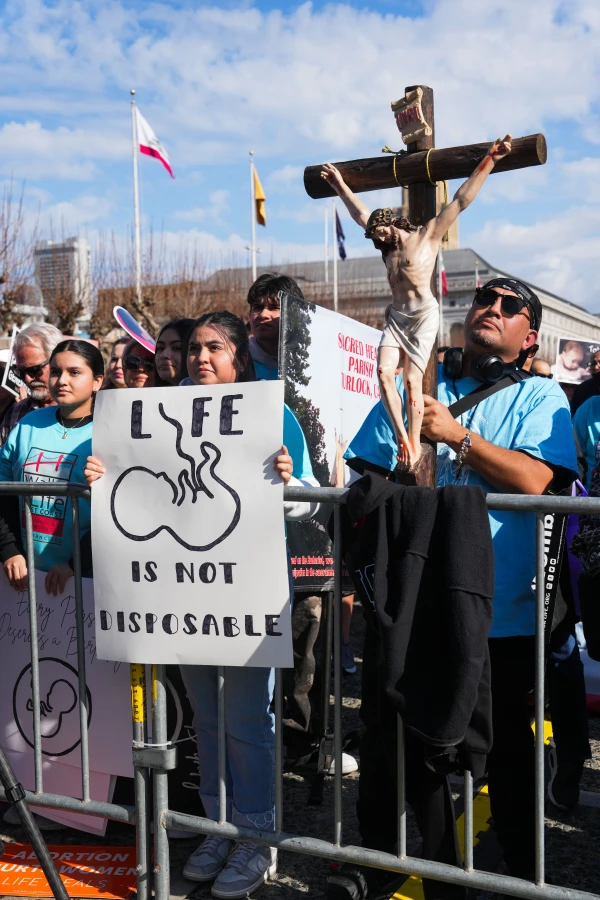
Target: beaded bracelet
x,y
464,448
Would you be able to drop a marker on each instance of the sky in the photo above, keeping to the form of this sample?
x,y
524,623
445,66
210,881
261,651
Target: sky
x,y
300,84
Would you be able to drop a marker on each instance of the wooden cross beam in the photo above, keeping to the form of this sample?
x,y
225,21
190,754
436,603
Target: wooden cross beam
x,y
410,169
377,173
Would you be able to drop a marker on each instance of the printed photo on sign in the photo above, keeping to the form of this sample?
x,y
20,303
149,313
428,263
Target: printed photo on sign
x,y
573,359
186,515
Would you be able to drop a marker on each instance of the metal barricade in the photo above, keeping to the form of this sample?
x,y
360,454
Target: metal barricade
x,y
141,815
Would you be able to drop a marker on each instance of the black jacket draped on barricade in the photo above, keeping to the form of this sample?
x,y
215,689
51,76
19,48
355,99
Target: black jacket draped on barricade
x,y
422,561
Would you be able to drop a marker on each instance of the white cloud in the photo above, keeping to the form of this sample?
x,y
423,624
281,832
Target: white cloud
x,y
319,80
547,254
28,150
213,213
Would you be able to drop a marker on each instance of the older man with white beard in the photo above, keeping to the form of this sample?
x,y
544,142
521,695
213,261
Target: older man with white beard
x,y
32,350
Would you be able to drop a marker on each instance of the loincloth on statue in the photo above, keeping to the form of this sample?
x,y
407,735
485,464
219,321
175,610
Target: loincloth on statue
x,y
414,332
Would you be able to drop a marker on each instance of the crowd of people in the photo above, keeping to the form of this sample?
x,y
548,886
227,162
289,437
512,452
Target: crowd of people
x,y
515,439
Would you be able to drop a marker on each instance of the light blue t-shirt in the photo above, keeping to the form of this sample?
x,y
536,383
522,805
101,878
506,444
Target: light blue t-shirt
x,y
586,423
36,452
531,416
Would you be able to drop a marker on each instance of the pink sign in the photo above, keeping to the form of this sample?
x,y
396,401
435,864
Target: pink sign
x,y
133,328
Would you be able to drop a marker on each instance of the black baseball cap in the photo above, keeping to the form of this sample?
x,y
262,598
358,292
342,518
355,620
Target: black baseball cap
x,y
521,290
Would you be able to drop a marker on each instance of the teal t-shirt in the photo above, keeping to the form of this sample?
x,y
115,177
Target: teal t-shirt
x,y
36,452
586,423
531,416
294,440
293,436
265,372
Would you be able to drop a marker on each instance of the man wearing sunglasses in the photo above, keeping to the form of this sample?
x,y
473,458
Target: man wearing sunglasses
x,y
517,440
32,350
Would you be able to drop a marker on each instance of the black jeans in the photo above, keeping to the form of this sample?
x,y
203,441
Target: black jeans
x,y
511,762
427,792
566,692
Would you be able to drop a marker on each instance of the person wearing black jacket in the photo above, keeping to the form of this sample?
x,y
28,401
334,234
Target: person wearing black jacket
x,y
518,440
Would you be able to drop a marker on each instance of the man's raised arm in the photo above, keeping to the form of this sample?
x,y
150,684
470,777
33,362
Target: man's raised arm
x,y
355,207
467,192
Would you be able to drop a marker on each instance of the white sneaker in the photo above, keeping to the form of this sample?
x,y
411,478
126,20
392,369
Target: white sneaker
x,y
208,859
11,817
248,867
349,764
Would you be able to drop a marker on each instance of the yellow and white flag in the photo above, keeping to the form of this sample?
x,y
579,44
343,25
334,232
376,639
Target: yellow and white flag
x,y
259,199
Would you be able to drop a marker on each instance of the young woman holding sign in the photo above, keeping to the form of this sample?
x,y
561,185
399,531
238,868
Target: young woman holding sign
x,y
50,445
218,353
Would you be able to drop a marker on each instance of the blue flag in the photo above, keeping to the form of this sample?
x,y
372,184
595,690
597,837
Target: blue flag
x,y
341,237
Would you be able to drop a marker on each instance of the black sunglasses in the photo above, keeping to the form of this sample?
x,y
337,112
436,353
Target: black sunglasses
x,y
32,371
539,375
511,305
136,362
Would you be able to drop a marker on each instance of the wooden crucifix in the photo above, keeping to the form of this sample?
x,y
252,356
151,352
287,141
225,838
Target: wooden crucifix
x,y
414,326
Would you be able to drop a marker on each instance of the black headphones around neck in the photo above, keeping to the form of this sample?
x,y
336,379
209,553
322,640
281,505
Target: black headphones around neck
x,y
487,369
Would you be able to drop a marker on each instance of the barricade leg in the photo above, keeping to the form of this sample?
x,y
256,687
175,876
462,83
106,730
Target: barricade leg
x,y
141,781
35,656
278,750
82,683
160,783
337,684
539,699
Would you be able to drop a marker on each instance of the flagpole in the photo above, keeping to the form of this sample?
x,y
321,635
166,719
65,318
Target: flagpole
x,y
136,204
440,291
327,244
253,216
335,256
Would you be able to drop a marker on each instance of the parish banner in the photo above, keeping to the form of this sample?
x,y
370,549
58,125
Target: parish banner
x,y
329,364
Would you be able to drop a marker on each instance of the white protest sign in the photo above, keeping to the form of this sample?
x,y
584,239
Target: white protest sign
x,y
10,381
108,684
188,534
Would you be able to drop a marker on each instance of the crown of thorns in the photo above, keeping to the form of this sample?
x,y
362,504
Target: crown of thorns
x,y
385,217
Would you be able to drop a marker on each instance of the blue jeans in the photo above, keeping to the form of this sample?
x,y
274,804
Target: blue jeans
x,y
249,742
566,692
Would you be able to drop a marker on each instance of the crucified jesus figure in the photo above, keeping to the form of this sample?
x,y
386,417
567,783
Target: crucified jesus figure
x,y
409,253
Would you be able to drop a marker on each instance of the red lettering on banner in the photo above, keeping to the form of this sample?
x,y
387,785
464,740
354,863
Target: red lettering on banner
x,y
351,345
360,366
356,385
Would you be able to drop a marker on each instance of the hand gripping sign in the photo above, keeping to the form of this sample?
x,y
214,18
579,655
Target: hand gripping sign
x,y
190,561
